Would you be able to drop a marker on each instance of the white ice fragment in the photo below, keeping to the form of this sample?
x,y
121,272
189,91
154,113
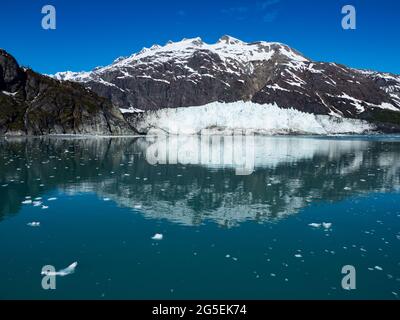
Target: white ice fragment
x,y
157,236
34,224
51,199
27,202
315,225
45,207
64,272
378,268
298,256
327,225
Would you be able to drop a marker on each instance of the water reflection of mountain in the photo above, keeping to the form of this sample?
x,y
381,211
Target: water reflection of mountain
x,y
289,174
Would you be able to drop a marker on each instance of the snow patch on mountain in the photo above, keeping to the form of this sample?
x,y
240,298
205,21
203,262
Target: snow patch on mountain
x,y
228,49
225,118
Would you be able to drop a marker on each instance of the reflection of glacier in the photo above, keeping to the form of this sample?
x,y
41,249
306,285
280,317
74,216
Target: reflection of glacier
x,y
242,151
290,173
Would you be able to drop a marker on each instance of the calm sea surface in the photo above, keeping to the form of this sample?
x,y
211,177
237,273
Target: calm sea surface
x,y
279,223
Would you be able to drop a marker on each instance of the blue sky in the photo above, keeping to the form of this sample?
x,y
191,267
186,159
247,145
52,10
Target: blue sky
x,y
92,33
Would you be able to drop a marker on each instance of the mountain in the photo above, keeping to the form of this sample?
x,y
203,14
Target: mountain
x,y
193,73
33,104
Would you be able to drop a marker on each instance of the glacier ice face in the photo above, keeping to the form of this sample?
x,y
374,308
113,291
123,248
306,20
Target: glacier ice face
x,y
226,118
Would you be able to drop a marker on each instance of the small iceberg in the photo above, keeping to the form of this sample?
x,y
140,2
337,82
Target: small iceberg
x,y
34,224
315,225
62,273
158,237
27,202
327,225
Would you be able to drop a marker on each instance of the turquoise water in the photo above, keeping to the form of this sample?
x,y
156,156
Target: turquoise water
x,y
100,201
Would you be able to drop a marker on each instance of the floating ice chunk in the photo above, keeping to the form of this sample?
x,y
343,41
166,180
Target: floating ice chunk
x,y
51,199
347,188
45,207
38,198
138,206
37,203
158,236
315,225
27,202
64,272
327,225
34,224
106,199
228,256
298,256
378,268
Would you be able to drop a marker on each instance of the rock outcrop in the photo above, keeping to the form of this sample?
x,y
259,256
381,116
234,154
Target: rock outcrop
x,y
33,104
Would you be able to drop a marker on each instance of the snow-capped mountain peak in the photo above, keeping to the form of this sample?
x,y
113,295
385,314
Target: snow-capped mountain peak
x,y
229,40
191,72
227,48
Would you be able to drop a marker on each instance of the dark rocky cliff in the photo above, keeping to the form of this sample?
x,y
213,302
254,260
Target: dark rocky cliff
x,y
33,104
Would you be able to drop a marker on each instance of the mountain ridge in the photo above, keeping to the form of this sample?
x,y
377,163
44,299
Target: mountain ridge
x,y
193,73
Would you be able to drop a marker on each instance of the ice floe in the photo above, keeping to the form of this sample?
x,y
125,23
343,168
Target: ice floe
x,y
315,225
327,225
158,237
34,224
64,272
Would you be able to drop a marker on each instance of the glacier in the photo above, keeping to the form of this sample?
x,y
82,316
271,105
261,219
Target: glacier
x,y
249,117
